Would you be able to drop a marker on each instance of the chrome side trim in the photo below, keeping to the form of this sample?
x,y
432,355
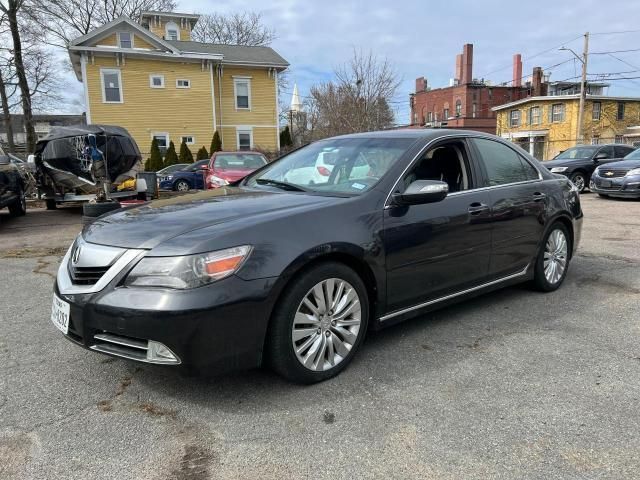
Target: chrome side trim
x,y
66,286
454,295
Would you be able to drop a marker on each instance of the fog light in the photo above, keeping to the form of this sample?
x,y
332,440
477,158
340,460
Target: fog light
x,y
160,353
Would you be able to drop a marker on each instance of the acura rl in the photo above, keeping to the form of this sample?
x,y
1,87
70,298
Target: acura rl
x,y
288,270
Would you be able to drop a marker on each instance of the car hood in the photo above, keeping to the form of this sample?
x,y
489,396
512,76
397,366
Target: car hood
x,y
151,224
231,174
624,164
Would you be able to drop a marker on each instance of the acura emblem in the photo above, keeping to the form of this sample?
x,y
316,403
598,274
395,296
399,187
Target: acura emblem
x,y
608,174
76,255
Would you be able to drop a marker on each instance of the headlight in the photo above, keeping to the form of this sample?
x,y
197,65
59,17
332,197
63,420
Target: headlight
x,y
165,178
635,171
218,181
187,271
558,169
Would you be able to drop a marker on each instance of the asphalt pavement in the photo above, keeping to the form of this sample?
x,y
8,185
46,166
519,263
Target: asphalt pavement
x,y
515,384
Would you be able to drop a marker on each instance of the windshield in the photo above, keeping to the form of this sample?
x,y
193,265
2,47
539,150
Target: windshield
x,y
635,155
577,153
355,166
239,161
172,168
196,166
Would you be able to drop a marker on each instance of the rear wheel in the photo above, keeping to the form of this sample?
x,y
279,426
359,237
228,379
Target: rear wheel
x,y
181,186
318,324
19,206
579,179
553,260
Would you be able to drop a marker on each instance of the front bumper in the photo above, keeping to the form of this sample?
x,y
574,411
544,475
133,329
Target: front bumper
x,y
213,329
625,187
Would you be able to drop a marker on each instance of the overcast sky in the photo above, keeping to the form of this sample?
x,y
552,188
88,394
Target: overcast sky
x,y
423,37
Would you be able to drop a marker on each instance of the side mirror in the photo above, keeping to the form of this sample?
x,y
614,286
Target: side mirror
x,y
31,158
600,156
422,191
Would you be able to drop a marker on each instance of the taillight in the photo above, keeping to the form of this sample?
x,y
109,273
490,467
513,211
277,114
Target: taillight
x,y
324,171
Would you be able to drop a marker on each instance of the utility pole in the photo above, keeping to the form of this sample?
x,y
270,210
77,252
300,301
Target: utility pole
x,y
583,84
583,88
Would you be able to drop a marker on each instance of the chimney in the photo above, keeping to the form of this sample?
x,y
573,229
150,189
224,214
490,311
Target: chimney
x,y
467,64
458,68
536,82
517,70
421,84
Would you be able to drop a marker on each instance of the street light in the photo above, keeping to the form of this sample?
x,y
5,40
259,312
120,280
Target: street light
x,y
583,83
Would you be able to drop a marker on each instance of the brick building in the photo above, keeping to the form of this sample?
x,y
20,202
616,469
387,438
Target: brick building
x,y
468,102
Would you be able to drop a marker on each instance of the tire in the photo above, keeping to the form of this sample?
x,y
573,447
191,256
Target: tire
x,y
19,206
51,204
284,337
96,209
181,186
602,195
550,280
580,180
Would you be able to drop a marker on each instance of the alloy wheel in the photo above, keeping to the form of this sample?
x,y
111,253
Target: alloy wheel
x,y
579,182
182,186
326,324
555,256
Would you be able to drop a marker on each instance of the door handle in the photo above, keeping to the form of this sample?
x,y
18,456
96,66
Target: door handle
x,y
476,208
539,196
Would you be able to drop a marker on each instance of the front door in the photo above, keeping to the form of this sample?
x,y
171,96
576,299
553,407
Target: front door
x,y
518,204
438,248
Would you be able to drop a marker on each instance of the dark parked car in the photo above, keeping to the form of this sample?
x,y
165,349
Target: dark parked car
x,y
189,178
12,187
293,274
170,169
618,179
578,163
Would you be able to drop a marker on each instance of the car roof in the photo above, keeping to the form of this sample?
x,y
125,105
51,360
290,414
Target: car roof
x,y
605,145
238,152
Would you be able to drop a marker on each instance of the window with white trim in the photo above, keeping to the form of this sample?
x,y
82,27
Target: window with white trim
x,y
244,139
125,39
111,85
156,81
597,108
514,118
557,112
171,31
183,83
188,139
163,140
534,115
242,92
619,139
595,140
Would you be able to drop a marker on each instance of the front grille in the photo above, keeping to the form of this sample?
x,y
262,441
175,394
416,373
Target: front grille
x,y
86,275
121,346
616,172
611,188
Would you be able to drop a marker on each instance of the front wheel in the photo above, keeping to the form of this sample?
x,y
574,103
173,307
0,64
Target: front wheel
x,y
318,324
553,260
19,206
181,186
579,180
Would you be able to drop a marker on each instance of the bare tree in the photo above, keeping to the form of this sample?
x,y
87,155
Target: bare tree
x,y
65,20
234,29
356,101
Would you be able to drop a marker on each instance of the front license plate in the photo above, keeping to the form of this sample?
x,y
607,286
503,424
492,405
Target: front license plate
x,y
60,314
605,183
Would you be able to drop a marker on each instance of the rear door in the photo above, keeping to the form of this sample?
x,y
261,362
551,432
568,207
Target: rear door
x,y
518,202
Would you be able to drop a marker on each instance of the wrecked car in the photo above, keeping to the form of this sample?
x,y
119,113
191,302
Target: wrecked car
x,y
12,187
88,163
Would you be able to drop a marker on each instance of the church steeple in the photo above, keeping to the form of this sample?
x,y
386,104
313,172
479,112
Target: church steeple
x,y
296,104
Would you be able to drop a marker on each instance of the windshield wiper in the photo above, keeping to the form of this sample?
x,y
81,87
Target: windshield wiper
x,y
279,184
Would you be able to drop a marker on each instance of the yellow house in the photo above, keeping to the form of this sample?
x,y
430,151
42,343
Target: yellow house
x,y
151,79
545,126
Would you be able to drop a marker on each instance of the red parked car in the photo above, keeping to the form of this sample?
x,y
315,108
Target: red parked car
x,y
227,167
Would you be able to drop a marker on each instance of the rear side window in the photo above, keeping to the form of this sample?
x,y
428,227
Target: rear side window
x,y
622,151
503,164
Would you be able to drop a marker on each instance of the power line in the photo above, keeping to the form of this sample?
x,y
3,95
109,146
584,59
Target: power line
x,y
615,51
616,33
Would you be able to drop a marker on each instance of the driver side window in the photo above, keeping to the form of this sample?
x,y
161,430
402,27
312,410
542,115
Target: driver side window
x,y
446,162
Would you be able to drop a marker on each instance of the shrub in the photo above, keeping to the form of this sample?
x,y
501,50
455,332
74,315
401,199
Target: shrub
x,y
154,162
202,154
185,154
171,158
216,143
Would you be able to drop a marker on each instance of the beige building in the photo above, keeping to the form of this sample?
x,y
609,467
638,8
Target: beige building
x,y
546,126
